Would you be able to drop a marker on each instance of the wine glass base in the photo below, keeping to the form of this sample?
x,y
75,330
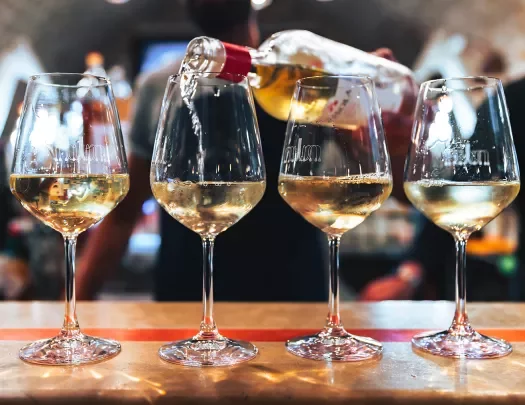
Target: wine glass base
x,y
335,347
471,346
203,353
74,349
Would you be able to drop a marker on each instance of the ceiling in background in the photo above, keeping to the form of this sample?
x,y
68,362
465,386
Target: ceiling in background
x,y
63,31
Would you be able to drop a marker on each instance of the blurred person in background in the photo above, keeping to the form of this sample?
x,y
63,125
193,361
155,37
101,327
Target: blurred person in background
x,y
271,255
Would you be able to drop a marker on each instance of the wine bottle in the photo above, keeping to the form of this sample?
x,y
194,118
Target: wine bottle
x,y
274,68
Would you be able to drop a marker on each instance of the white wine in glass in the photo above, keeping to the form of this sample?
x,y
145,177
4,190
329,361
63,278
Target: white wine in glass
x,y
335,204
463,207
208,208
335,172
208,172
461,172
69,171
69,204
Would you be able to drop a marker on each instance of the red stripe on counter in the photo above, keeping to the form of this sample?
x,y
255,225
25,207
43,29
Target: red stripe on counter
x,y
256,335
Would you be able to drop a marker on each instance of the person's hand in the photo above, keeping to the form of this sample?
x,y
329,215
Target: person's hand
x,y
387,288
400,286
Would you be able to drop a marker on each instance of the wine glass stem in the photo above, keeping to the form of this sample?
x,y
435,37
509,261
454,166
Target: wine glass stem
x,y
333,320
208,329
460,324
70,317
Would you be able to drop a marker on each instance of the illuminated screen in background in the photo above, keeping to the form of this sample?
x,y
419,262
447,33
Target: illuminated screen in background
x,y
156,55
153,56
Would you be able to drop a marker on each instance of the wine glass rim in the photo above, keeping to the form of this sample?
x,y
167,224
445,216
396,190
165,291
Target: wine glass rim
x,y
488,80
360,80
213,76
102,81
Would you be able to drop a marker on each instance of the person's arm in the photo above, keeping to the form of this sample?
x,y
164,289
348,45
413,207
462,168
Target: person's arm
x,y
426,258
105,246
107,243
401,285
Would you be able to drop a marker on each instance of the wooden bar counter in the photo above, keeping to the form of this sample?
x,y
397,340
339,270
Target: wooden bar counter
x,y
138,376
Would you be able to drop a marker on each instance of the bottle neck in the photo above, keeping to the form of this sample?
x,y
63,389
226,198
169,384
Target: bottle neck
x,y
205,54
237,60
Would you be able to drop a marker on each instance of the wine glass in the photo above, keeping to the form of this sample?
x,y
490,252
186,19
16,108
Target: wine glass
x,y
69,171
208,172
461,172
335,171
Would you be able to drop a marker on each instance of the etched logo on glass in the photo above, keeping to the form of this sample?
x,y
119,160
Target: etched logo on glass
x,y
49,156
464,155
302,153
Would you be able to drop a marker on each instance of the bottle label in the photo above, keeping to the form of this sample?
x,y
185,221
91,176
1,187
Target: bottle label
x,y
342,110
238,61
350,107
390,96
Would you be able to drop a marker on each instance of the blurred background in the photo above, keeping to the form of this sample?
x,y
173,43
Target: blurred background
x,y
128,39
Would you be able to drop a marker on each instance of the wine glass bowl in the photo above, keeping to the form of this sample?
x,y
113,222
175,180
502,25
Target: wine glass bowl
x,y
461,172
208,172
335,171
69,171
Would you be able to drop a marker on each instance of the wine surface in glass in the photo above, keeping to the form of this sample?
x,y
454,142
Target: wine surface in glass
x,y
462,207
208,208
69,204
335,204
